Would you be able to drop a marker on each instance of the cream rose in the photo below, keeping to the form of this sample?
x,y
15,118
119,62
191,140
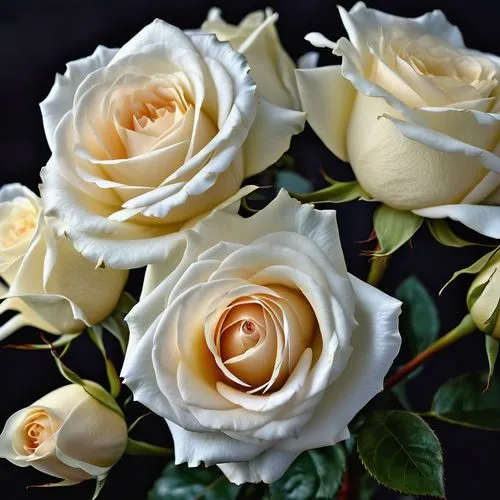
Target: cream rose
x,y
483,298
67,434
254,343
415,112
151,136
257,39
50,284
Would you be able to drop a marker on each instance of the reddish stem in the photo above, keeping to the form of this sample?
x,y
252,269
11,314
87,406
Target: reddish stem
x,y
465,327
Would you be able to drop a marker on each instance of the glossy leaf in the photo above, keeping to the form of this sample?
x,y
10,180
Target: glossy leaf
x,y
394,228
402,453
183,483
314,474
462,401
443,234
419,323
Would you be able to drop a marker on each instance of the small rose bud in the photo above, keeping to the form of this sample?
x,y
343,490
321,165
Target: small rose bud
x,y
483,298
67,434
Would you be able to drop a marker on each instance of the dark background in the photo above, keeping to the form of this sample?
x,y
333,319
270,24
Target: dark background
x,y
37,38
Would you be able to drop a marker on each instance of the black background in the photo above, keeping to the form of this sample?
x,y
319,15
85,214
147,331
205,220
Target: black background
x,y
37,38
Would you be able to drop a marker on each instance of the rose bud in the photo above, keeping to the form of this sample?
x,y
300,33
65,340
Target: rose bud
x,y
51,285
256,37
67,434
483,298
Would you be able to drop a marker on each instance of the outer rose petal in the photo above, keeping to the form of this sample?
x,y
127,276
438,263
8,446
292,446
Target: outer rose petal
x,y
210,447
395,155
257,39
267,467
376,342
484,219
75,447
468,133
270,135
361,22
327,98
60,98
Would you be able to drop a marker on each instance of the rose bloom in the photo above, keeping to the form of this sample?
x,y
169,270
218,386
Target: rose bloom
x,y
67,434
255,344
150,137
50,284
257,39
415,112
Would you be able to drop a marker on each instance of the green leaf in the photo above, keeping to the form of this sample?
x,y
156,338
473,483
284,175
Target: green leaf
x,y
419,321
115,322
291,181
443,234
314,474
402,453
474,268
96,335
338,192
491,345
394,228
184,483
90,387
462,401
492,321
476,292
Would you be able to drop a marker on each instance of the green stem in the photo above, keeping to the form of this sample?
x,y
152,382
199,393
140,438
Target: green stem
x,y
464,328
377,269
141,448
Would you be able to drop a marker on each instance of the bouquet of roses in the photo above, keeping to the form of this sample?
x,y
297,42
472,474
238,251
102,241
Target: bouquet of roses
x,y
273,367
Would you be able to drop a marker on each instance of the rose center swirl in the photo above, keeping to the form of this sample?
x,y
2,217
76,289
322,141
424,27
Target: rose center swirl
x,y
259,339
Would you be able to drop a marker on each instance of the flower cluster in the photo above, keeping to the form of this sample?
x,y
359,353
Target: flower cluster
x,y
251,338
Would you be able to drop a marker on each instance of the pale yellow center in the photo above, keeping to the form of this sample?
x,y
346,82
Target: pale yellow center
x,y
260,338
18,223
37,429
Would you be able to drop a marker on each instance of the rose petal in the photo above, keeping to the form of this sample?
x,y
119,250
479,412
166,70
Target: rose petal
x,y
270,135
327,98
483,219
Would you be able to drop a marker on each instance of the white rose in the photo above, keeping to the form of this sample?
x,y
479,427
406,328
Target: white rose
x,y
257,39
254,343
414,112
67,434
148,137
51,285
